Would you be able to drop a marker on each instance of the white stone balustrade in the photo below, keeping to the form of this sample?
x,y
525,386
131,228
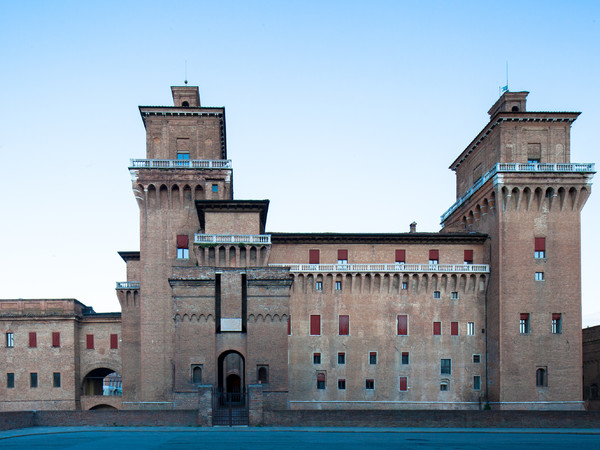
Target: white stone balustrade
x,y
397,268
232,239
181,164
128,284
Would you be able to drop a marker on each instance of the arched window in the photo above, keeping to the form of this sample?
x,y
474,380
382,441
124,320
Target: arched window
x,y
540,377
515,109
320,380
263,375
185,104
197,374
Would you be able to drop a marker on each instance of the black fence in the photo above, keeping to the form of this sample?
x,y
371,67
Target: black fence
x,y
229,408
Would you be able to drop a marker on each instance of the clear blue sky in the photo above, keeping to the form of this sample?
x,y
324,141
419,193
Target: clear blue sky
x,y
345,115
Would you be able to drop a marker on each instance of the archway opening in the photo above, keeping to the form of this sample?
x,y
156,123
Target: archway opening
x,y
102,381
232,374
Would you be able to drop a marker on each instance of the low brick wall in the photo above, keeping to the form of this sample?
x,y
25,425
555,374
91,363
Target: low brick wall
x,y
16,419
165,418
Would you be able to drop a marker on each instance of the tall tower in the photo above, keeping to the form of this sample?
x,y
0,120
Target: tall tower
x,y
516,183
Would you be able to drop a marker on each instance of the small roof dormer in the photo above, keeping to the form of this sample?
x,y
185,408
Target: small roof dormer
x,y
510,102
186,96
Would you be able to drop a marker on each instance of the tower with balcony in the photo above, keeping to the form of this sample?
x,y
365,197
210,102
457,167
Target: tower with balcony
x,y
516,182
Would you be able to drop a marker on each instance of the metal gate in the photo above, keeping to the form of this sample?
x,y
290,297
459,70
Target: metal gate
x,y
229,408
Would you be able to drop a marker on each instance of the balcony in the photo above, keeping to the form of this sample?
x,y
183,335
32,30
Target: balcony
x,y
181,164
128,285
391,268
520,168
262,239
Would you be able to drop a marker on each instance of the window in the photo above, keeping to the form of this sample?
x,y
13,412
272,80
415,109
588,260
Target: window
x,y
215,188
33,380
454,328
476,382
183,251
114,341
404,285
539,276
405,357
321,380
402,325
446,367
437,328
315,325
319,286
344,325
33,339
89,341
341,384
556,324
540,377
183,155
342,257
372,357
400,256
437,294
338,285
476,359
10,380
55,339
434,257
524,324
316,358
369,383
289,325
262,374
444,386
471,329
468,257
56,379
403,384
313,257
341,358
196,374
539,248
10,340
454,295
533,161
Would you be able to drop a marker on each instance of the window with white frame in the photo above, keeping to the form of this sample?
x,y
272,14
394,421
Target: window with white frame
x,y
539,276
437,294
454,295
470,328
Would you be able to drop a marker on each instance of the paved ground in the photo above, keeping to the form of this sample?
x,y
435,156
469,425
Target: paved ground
x,y
109,438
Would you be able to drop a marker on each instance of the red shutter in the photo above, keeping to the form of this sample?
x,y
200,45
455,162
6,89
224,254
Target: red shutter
x,y
315,325
321,377
33,339
403,383
402,325
289,325
524,316
114,341
555,316
540,244
437,328
89,341
343,255
344,325
55,339
454,328
434,254
468,256
313,257
400,256
183,241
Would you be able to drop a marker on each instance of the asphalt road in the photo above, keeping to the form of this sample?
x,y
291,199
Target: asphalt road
x,y
252,438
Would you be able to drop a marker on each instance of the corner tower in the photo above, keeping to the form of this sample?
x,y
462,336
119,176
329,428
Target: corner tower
x,y
515,181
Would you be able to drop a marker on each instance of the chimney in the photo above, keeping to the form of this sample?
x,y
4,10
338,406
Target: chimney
x,y
413,227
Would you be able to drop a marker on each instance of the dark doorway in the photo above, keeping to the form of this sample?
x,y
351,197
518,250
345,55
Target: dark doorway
x,y
230,401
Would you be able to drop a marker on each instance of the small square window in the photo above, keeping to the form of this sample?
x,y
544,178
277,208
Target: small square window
x,y
183,253
454,295
316,358
404,285
215,188
319,286
437,294
476,382
405,357
338,285
373,358
10,340
556,323
56,379
476,359
10,380
341,358
541,254
33,380
539,276
470,328
342,384
443,386
369,383
446,367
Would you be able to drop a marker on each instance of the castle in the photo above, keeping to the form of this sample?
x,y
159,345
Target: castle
x,y
485,312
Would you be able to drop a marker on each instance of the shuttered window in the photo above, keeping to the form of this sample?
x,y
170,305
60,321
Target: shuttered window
x,y
33,339
434,256
404,383
344,325
55,339
400,256
289,325
454,328
468,257
437,328
402,325
315,325
342,256
89,341
313,257
114,341
183,241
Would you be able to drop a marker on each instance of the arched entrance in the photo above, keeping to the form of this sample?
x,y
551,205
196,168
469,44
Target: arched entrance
x,y
230,402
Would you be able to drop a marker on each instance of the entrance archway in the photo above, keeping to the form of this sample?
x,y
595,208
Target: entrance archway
x,y
232,372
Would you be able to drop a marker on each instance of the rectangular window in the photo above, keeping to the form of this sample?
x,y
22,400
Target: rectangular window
x,y
315,325
446,366
539,248
556,323
316,358
400,256
344,325
313,257
342,256
341,384
468,257
56,379
183,156
405,358
319,285
404,285
539,276
10,380
402,325
437,328
55,339
403,384
338,285
454,328
437,294
471,329
89,341
443,386
341,358
33,339
476,383
321,380
183,243
215,188
33,380
541,378
10,340
289,325
434,256
454,295
369,383
114,341
372,357
476,359
524,324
